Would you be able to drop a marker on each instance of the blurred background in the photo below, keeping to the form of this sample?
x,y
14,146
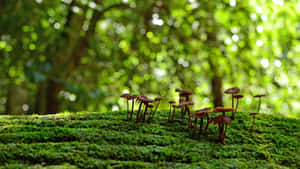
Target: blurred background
x,y
80,55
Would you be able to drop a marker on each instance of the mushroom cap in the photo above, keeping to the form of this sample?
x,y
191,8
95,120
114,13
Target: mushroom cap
x,y
134,96
171,102
158,99
238,96
233,90
253,114
179,106
197,115
177,90
226,120
125,95
222,109
150,106
185,92
148,100
260,95
186,103
204,110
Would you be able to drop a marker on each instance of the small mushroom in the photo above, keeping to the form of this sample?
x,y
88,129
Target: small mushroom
x,y
187,108
237,97
147,103
232,91
127,97
225,121
200,114
185,94
133,97
140,99
158,99
151,114
253,114
259,103
179,106
171,104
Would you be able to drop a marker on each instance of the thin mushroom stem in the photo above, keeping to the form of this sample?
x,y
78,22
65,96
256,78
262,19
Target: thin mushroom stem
x,y
156,108
145,112
138,113
236,108
132,108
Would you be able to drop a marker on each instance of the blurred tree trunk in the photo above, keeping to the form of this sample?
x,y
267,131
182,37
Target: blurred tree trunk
x,y
216,83
69,55
17,99
41,99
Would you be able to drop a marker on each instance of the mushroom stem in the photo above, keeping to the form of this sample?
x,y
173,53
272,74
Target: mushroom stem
x,y
201,125
189,114
253,123
156,108
207,123
132,108
232,103
173,114
236,108
169,118
145,112
138,113
259,103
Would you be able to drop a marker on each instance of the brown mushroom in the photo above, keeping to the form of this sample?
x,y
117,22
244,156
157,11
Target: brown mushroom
x,y
200,114
146,102
171,104
133,97
127,97
232,91
179,106
259,103
225,121
150,106
157,99
185,94
237,97
140,99
253,114
223,110
187,108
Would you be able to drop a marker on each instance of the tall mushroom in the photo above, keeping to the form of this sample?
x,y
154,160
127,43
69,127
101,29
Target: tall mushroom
x,y
157,99
185,94
127,97
232,91
225,121
146,102
200,114
237,97
140,99
259,103
170,111
133,97
187,108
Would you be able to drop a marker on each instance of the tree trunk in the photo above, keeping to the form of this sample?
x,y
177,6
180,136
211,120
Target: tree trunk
x,y
41,99
217,91
53,89
17,99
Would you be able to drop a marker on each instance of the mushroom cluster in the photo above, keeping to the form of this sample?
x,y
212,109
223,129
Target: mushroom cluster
x,y
145,107
148,107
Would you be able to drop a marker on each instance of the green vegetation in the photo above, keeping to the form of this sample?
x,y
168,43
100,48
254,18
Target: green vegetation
x,y
107,140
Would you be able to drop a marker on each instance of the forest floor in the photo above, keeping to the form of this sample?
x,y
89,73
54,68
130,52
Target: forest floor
x,y
107,140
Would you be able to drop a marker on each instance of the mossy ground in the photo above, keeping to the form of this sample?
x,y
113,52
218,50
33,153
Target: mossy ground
x,y
107,140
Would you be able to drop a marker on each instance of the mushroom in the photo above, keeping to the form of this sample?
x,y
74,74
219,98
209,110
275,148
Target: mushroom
x,y
127,97
171,103
253,114
150,106
200,114
223,110
133,97
158,99
179,106
184,94
186,106
232,91
237,97
146,102
259,103
225,121
140,99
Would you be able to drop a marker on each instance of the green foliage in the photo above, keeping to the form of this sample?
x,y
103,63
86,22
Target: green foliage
x,y
106,140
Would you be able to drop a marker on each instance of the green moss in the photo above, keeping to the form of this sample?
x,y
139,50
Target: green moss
x,y
106,140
